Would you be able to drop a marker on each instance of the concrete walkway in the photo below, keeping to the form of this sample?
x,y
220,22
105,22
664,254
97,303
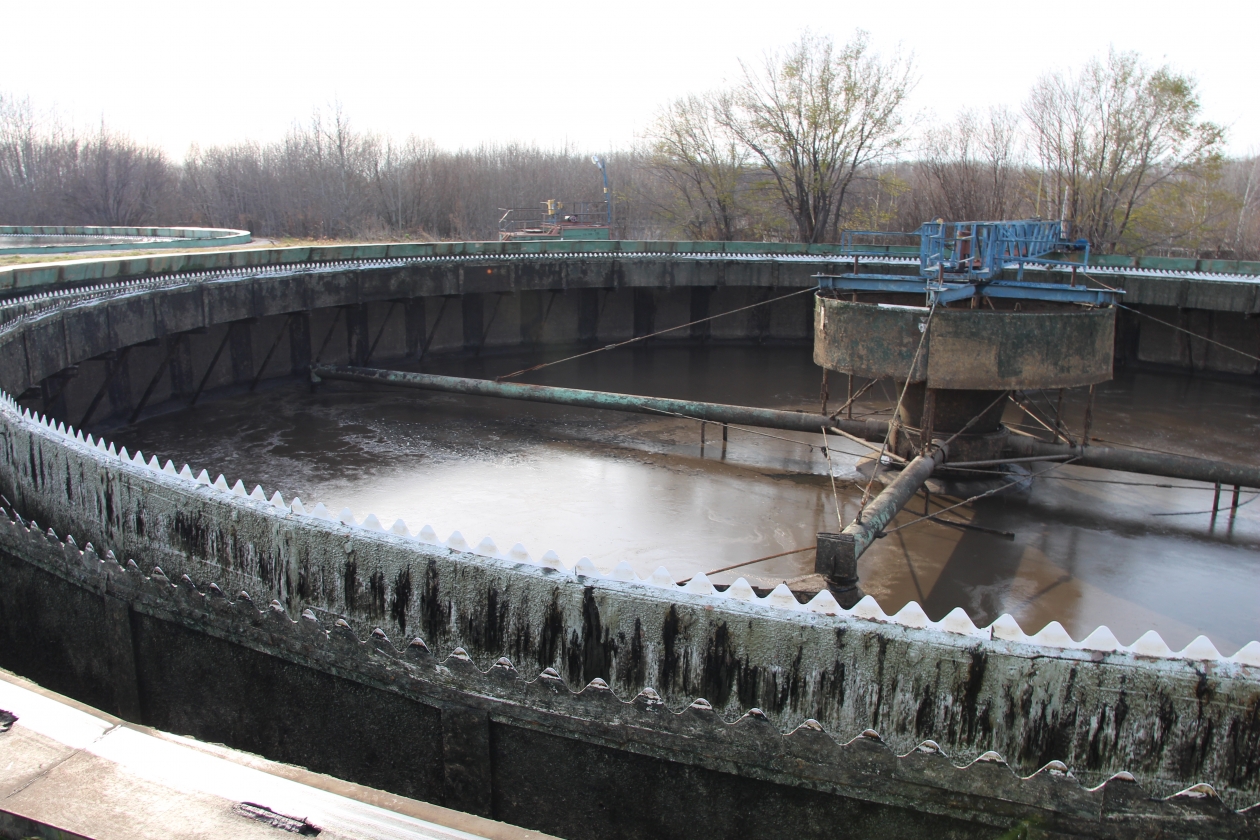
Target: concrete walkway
x,y
69,771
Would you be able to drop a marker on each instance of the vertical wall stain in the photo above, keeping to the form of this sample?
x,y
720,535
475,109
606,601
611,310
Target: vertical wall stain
x,y
400,601
975,718
669,661
597,648
436,619
720,667
551,634
632,668
376,591
350,583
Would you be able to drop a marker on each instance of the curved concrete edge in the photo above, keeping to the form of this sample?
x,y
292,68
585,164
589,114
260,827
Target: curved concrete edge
x,y
143,783
1235,289
848,669
70,273
1052,638
148,238
796,667
984,789
1187,264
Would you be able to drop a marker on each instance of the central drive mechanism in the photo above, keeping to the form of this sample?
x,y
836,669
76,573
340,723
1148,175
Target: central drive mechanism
x,y
957,339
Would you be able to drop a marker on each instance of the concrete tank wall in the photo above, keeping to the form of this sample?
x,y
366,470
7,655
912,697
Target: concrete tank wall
x,y
113,346
26,239
1170,719
1165,720
72,355
494,742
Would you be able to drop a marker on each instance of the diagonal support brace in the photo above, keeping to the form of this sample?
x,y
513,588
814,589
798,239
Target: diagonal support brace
x,y
837,555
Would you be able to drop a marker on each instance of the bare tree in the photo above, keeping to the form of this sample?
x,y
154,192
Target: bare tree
x,y
229,186
1247,186
803,144
972,166
51,175
33,162
117,181
1110,135
703,164
402,176
1192,214
816,117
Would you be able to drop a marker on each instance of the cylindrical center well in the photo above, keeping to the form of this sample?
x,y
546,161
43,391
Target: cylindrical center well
x,y
951,412
966,359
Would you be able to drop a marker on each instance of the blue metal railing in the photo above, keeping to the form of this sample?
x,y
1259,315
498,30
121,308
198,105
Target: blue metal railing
x,y
983,250
960,259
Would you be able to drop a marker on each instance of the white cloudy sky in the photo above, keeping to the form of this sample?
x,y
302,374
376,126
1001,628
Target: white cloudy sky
x,y
545,71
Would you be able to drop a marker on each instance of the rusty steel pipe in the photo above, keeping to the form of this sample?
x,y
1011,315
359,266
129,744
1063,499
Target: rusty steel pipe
x,y
767,418
870,523
837,554
1017,447
1138,461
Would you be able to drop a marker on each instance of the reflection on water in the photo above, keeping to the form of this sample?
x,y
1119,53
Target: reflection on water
x,y
629,487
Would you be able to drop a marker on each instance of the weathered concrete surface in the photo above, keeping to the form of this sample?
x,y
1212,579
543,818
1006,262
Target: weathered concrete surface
x,y
580,765
153,340
966,348
1146,279
1173,340
70,771
223,329
1219,294
1170,722
26,239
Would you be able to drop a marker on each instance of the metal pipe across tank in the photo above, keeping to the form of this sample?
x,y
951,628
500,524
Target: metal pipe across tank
x,y
837,554
1138,461
1101,457
767,418
870,523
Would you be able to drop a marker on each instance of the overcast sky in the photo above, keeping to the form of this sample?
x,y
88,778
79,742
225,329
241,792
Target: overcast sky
x,y
588,74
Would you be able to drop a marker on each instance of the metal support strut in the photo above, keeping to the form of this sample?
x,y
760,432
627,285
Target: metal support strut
x,y
838,554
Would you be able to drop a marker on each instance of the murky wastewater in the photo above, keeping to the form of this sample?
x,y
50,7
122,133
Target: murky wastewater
x,y
612,487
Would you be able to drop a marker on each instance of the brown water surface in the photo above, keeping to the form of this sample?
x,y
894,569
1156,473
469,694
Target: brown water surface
x,y
616,487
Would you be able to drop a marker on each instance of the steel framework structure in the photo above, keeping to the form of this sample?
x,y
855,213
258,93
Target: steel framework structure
x,y
958,260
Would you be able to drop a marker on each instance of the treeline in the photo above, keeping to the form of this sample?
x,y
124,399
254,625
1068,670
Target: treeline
x,y
811,141
816,139
323,180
